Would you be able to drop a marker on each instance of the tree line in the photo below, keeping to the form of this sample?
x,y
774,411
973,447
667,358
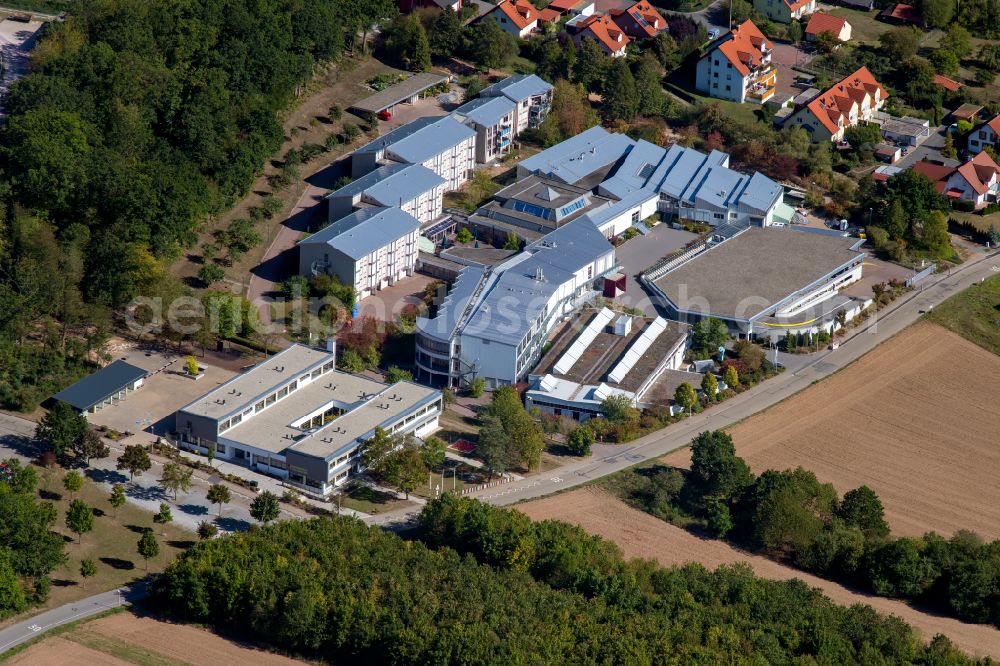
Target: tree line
x,y
793,517
335,589
137,122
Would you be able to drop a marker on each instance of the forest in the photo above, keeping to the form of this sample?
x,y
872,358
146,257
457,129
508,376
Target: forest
x,y
138,121
485,585
792,516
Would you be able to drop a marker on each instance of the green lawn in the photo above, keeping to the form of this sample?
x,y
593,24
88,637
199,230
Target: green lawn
x,y
864,28
112,543
747,112
974,314
360,497
981,222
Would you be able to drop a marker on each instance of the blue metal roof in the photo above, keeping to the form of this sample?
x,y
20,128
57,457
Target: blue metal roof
x,y
761,192
398,134
516,298
577,157
517,87
429,139
391,184
366,181
486,111
365,231
99,386
443,326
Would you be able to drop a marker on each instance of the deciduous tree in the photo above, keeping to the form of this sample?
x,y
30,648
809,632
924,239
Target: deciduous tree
x,y
219,494
265,507
148,547
79,518
135,460
73,482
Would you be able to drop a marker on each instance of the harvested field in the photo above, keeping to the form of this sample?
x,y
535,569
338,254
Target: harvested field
x,y
125,638
915,419
57,651
639,534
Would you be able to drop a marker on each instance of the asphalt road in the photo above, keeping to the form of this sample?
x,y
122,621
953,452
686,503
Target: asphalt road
x,y
18,633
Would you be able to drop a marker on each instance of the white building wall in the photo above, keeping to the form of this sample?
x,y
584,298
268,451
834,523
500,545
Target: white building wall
x,y
714,73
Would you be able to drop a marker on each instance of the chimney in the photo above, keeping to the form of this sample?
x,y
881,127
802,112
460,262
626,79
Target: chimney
x,y
331,345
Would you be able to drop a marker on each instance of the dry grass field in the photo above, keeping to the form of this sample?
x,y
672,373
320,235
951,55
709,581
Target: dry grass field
x,y
916,419
125,638
639,534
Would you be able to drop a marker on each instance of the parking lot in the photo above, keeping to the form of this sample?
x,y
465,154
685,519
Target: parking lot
x,y
639,254
785,57
163,393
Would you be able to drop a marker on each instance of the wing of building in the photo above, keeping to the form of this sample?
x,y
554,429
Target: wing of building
x,y
369,249
495,322
297,417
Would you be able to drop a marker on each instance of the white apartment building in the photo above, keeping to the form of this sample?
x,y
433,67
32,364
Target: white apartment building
x,y
738,67
413,188
493,118
531,94
369,249
439,143
296,417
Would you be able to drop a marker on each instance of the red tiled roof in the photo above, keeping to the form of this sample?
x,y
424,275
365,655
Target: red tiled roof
x,y
820,23
979,171
936,172
994,124
835,104
946,83
652,19
520,12
742,46
906,13
605,31
549,15
563,5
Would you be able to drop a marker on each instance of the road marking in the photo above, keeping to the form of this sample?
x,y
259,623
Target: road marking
x,y
555,479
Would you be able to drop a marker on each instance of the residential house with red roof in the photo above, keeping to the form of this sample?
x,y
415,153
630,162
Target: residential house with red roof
x,y
853,100
737,66
976,181
518,17
612,39
784,11
985,135
835,25
639,20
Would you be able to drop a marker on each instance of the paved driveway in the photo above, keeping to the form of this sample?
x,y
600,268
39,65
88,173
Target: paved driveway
x,y
640,253
929,149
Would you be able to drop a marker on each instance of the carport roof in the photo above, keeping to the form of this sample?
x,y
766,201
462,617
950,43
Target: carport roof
x,y
399,92
97,387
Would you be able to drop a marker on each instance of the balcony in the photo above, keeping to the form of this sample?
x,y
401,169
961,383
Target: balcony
x,y
761,92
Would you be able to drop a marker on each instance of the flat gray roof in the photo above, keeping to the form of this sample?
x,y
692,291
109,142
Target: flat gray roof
x,y
389,405
754,271
245,389
97,387
274,428
399,92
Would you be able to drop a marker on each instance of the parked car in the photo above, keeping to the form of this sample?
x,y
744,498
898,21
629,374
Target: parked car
x,y
384,115
713,33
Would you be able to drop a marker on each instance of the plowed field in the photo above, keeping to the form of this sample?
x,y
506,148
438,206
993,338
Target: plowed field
x,y
917,420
